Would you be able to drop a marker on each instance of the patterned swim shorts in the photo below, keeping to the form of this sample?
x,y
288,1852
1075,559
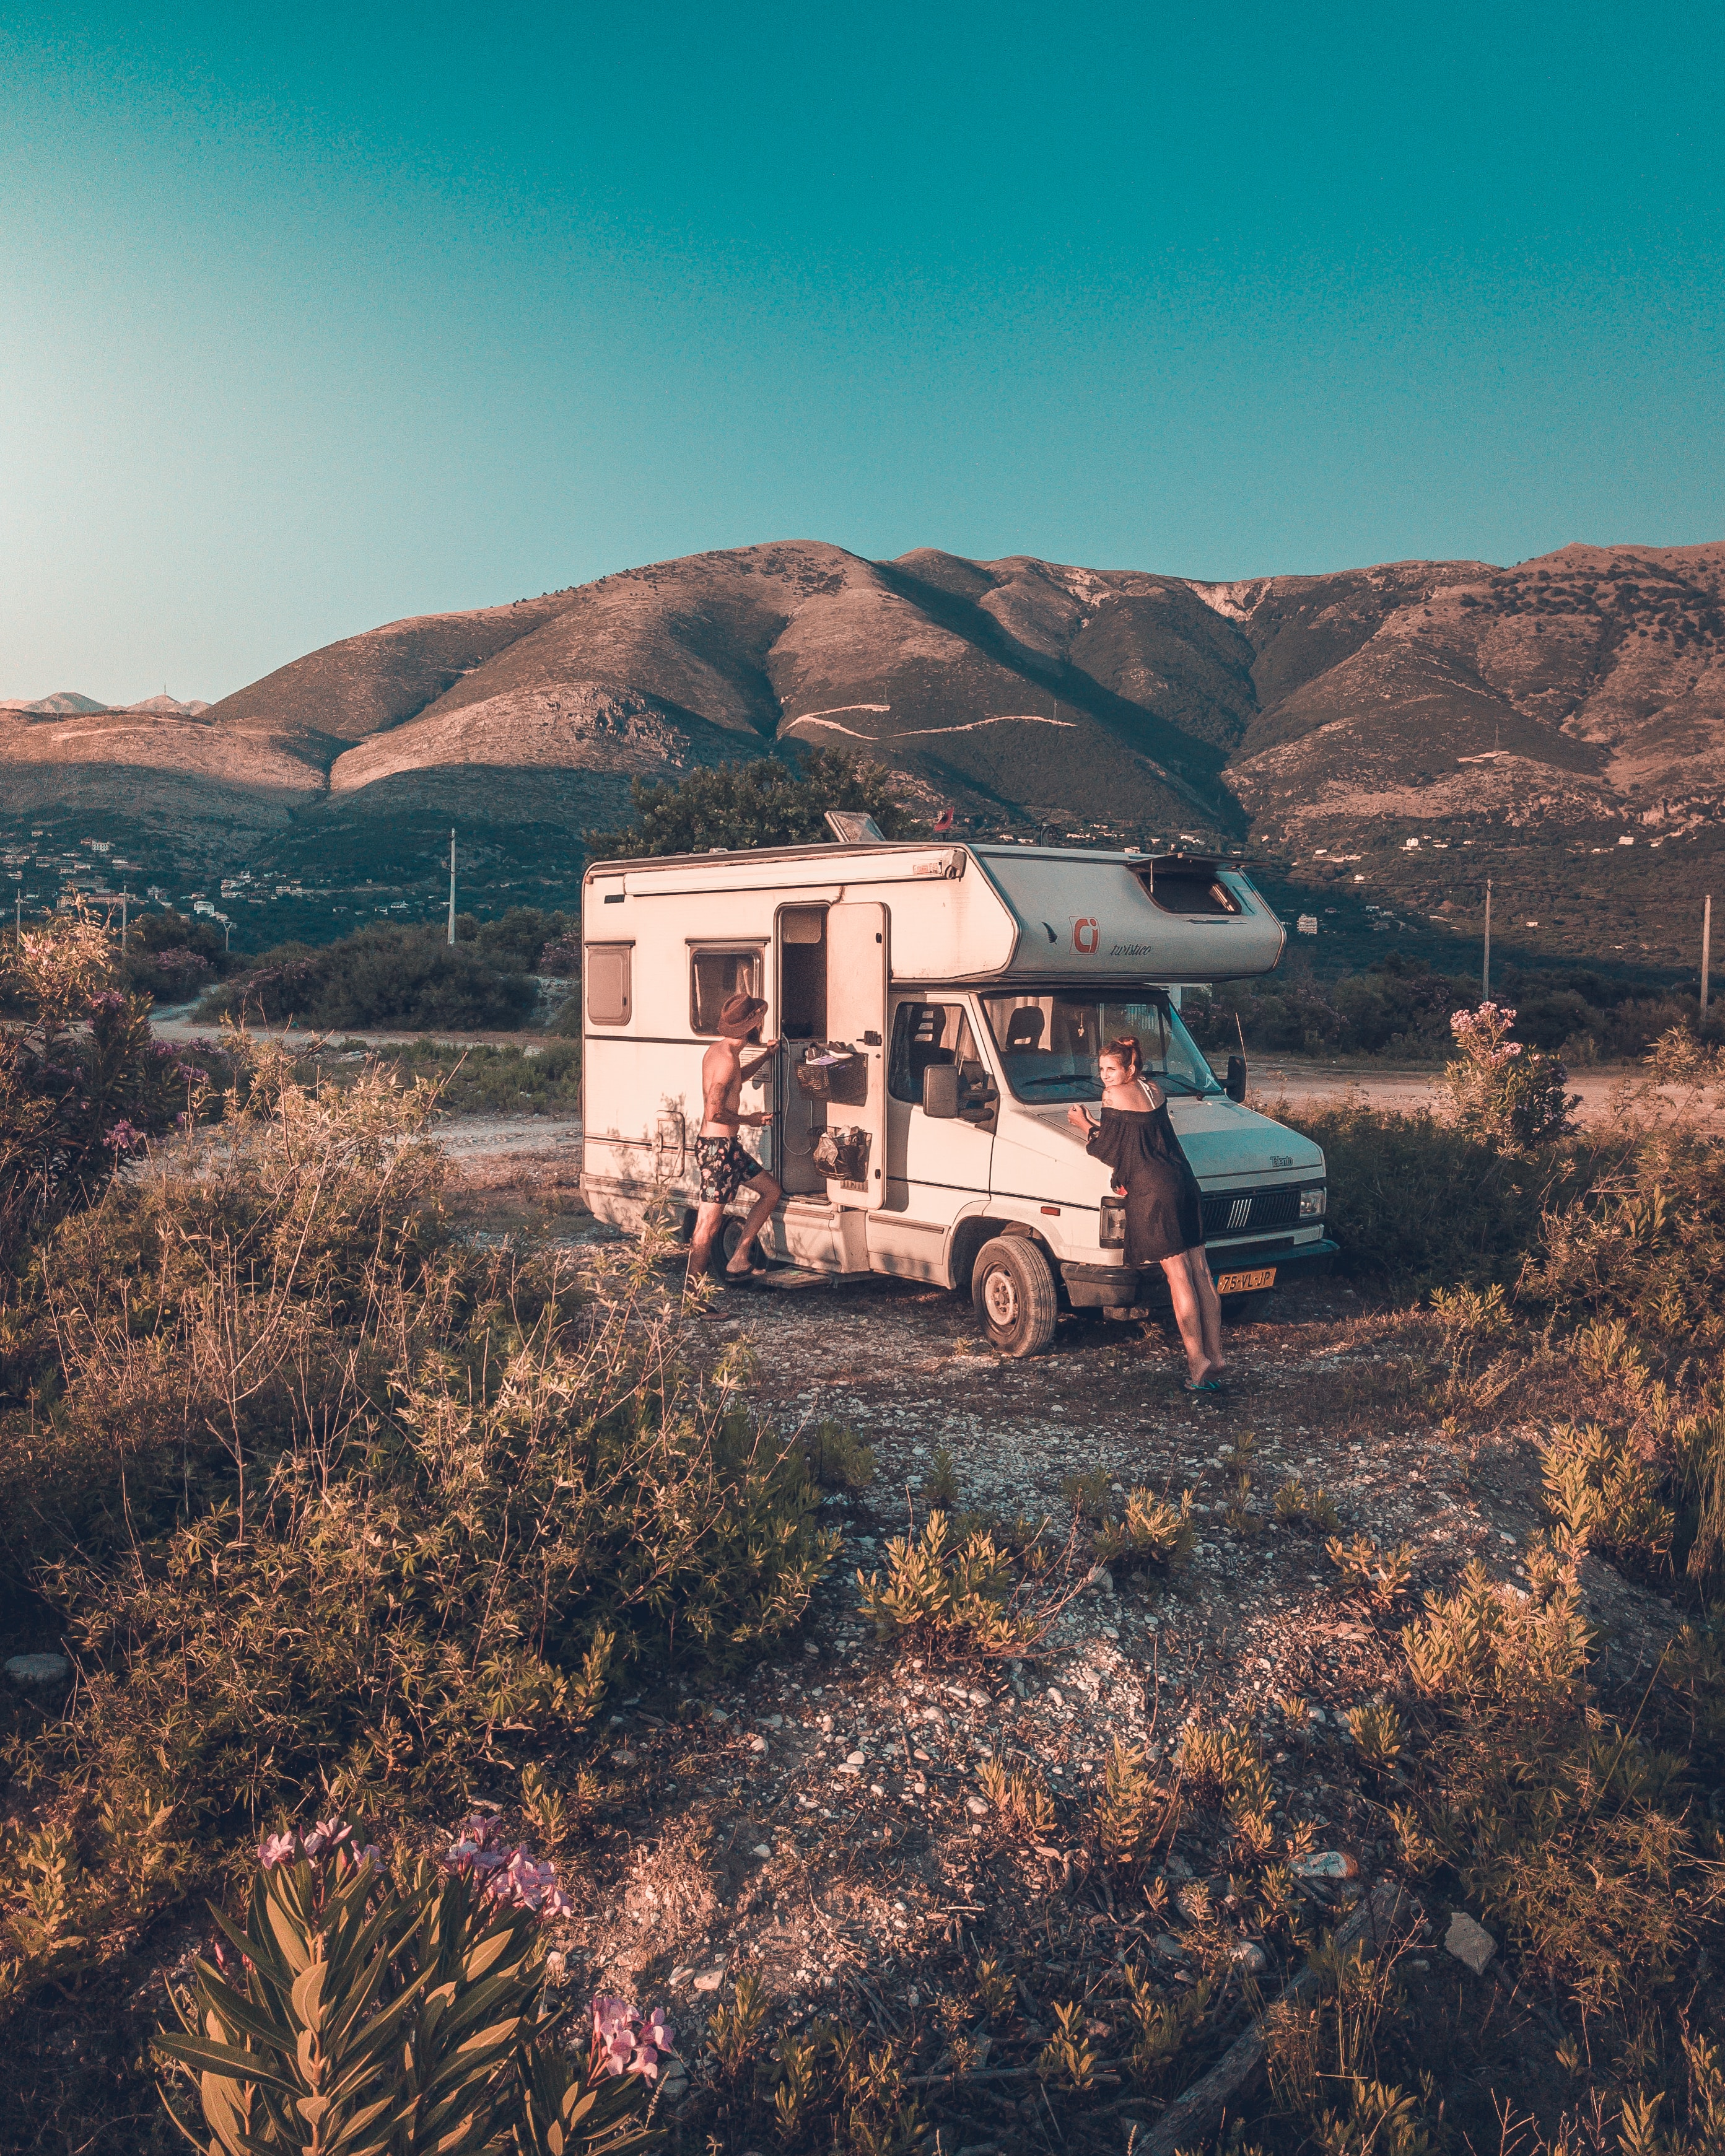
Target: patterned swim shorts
x,y
724,1166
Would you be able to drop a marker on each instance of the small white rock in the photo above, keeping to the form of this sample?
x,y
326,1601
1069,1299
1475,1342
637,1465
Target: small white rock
x,y
39,1669
1247,1954
976,1807
1325,1864
762,1849
710,1979
1470,1943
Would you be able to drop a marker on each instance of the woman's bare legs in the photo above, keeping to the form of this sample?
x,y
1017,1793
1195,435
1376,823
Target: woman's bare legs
x,y
1188,1314
1209,1308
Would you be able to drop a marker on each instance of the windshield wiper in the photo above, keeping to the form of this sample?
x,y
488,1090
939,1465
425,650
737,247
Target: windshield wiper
x,y
1059,1078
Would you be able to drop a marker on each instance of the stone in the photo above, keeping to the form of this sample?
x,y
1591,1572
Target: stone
x,y
855,1759
1325,1864
1249,1955
1167,1943
762,1849
710,1979
39,1669
976,1807
1470,1943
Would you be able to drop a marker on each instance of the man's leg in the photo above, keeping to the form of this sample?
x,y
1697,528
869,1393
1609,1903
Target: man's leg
x,y
768,1194
707,1218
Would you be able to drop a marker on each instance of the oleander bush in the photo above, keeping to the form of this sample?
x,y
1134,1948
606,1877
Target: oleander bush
x,y
350,2012
83,1084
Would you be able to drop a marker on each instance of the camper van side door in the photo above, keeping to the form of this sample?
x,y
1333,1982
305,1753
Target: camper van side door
x,y
856,1134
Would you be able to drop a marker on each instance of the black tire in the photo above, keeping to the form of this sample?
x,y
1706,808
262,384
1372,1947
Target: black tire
x,y
1250,1309
1013,1290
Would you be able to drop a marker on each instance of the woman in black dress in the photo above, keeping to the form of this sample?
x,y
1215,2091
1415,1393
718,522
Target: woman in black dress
x,y
1163,1213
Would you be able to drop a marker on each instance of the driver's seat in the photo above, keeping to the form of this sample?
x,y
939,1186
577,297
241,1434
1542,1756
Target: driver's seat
x,y
1023,1032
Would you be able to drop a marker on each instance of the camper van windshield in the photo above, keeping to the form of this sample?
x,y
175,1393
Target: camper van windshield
x,y
1048,1045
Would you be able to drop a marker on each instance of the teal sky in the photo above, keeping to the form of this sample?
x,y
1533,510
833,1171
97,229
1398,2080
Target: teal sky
x,y
315,317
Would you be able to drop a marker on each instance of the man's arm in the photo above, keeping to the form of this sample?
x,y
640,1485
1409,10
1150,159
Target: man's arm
x,y
769,1049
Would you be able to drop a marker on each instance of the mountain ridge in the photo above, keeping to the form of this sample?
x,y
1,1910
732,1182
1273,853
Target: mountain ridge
x,y
1584,684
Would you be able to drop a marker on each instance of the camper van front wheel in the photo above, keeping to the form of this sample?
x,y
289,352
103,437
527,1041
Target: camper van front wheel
x,y
1013,1292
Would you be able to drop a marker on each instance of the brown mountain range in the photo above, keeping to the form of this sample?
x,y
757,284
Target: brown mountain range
x,y
1587,684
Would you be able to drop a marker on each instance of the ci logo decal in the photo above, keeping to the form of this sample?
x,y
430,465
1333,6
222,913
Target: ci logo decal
x,y
1085,936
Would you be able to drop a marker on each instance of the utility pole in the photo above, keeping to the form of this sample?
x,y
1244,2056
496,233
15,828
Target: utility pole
x,y
124,896
1486,976
1706,951
452,885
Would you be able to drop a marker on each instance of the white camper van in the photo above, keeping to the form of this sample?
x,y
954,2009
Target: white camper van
x,y
939,1007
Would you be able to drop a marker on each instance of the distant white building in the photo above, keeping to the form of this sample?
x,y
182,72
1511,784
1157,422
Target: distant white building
x,y
1307,925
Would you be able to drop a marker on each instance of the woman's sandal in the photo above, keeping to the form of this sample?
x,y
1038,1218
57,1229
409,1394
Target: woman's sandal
x,y
1204,1385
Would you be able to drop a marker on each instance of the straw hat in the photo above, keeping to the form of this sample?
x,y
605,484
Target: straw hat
x,y
741,1014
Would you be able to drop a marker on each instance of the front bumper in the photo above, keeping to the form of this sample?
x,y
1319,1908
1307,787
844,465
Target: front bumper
x,y
1126,1287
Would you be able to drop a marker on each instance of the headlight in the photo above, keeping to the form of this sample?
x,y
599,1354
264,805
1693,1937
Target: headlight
x,y
1312,1202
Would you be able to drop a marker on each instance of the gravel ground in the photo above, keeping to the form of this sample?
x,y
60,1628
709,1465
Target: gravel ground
x,y
823,1824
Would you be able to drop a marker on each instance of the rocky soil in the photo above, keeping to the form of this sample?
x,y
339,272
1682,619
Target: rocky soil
x,y
823,1826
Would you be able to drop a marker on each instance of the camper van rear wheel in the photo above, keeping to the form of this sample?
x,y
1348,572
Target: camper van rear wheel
x,y
1013,1289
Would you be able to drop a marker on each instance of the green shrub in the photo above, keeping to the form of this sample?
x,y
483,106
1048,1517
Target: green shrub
x,y
1415,1203
1151,1531
486,1078
1603,1492
1562,1823
392,976
413,1507
1645,1241
763,804
952,1588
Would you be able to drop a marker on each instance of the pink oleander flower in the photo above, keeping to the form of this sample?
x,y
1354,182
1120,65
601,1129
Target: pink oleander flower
x,y
628,2044
327,1835
278,1849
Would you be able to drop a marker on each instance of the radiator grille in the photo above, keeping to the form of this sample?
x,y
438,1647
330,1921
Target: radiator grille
x,y
1248,1212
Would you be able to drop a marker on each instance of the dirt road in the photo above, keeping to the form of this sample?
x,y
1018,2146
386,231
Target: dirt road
x,y
1382,1085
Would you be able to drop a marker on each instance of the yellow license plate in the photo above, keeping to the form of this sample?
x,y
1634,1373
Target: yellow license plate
x,y
1240,1283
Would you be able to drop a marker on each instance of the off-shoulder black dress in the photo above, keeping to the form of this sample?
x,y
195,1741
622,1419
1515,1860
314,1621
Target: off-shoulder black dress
x,y
1163,1213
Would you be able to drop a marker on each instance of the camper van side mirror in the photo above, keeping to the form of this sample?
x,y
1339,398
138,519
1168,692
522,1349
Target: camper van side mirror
x,y
940,1089
1236,1077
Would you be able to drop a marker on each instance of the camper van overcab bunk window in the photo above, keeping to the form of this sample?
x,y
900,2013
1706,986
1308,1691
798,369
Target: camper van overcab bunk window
x,y
938,1008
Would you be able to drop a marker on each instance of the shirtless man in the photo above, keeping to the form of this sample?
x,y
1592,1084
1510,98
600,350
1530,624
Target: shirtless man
x,y
725,1167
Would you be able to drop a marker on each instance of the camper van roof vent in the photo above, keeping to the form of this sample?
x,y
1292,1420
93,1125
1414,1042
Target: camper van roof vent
x,y
853,827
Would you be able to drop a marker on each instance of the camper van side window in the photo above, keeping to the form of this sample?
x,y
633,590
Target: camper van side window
x,y
607,983
924,1034
716,973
